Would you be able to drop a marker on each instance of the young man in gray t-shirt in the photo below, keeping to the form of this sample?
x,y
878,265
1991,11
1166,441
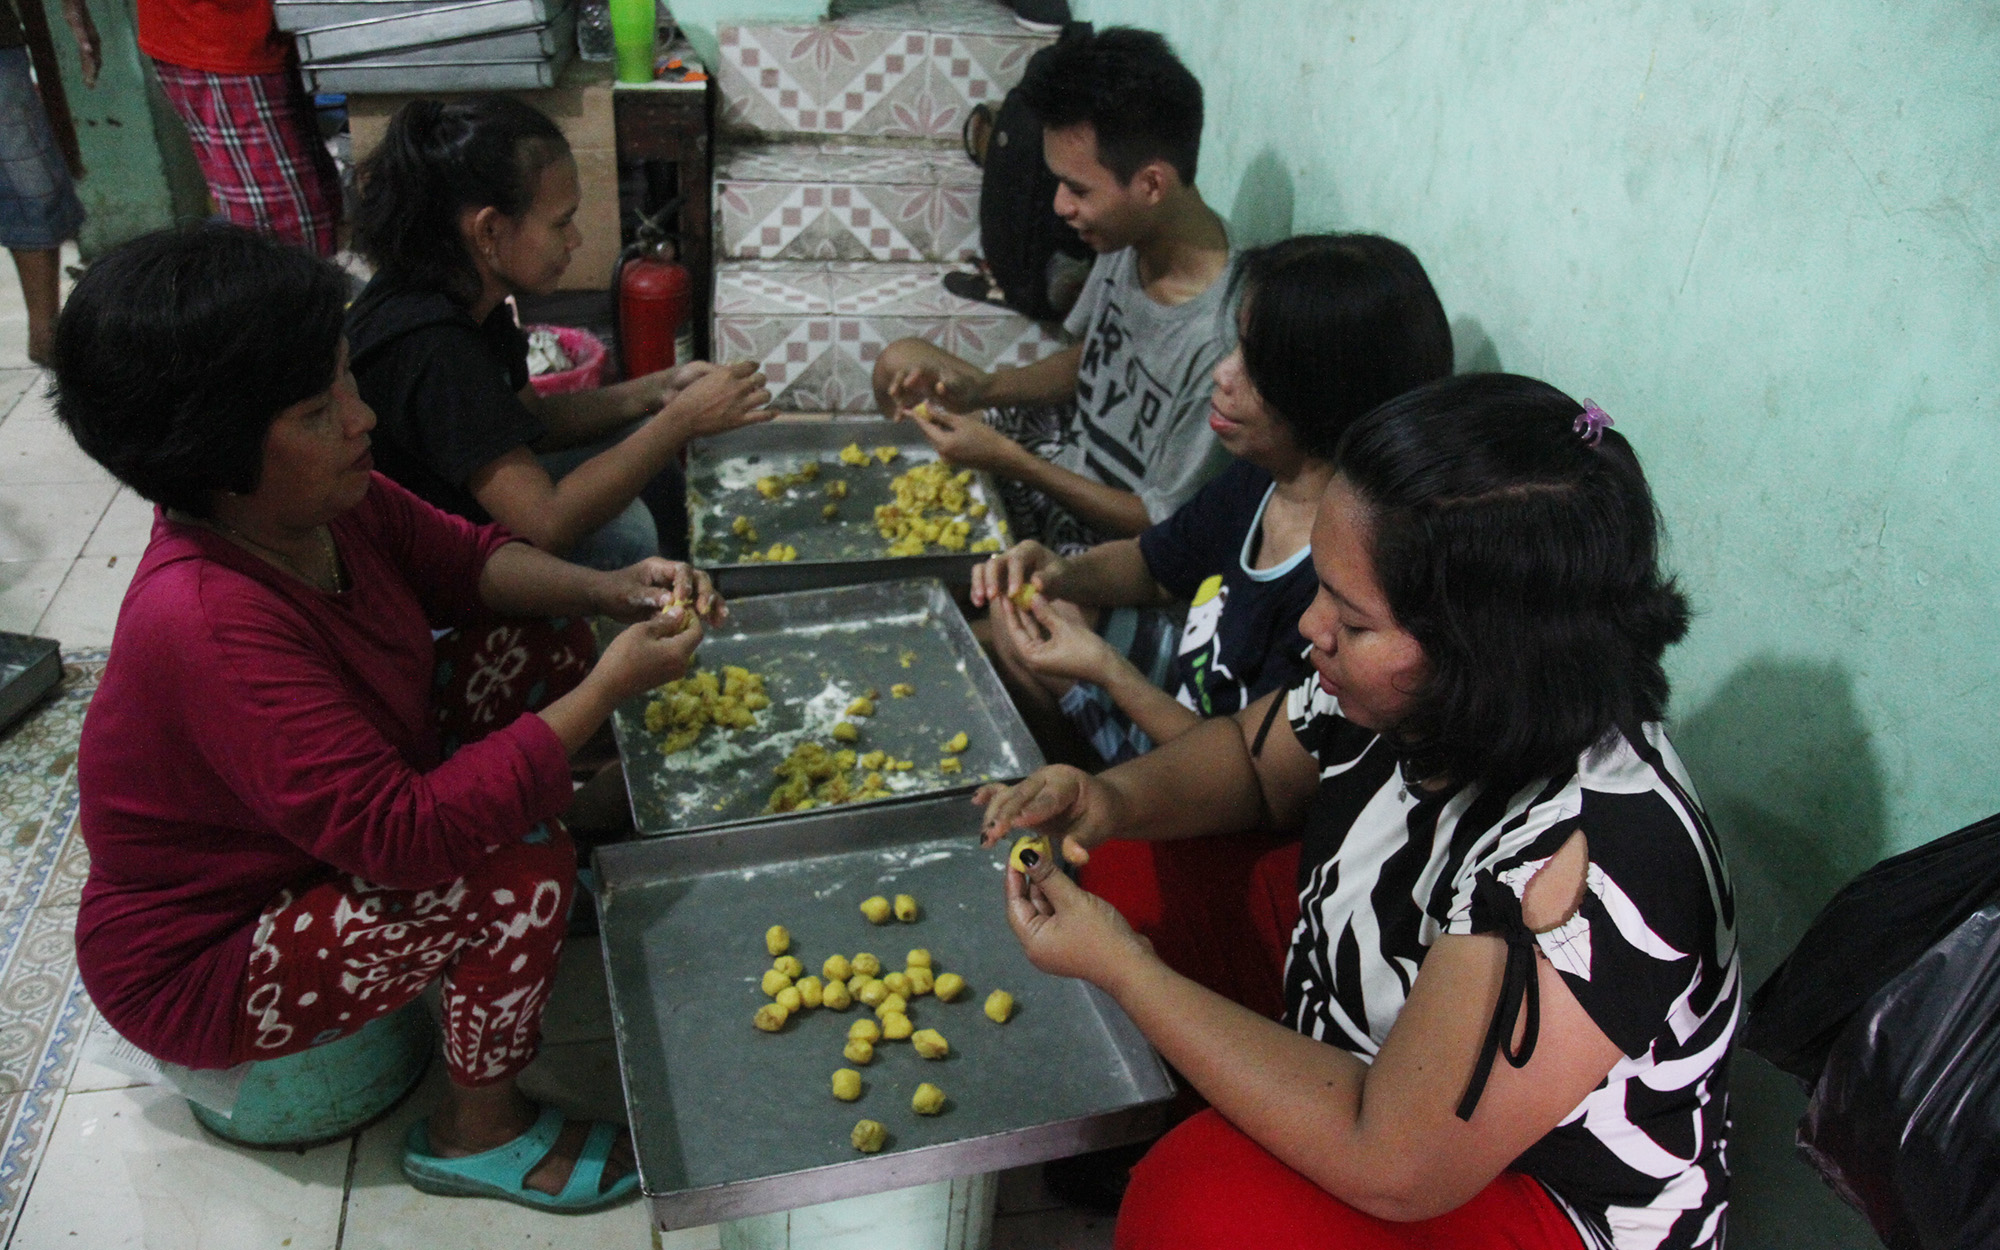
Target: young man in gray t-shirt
x,y
1110,435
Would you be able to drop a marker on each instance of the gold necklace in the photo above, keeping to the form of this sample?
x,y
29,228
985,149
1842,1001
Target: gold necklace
x,y
339,583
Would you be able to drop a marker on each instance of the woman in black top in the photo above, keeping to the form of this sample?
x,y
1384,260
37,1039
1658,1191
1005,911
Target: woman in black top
x,y
464,204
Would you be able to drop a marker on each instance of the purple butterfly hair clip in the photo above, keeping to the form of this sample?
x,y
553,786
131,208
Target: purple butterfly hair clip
x,y
1590,423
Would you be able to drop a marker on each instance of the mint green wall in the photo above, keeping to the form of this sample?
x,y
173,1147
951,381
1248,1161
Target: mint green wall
x,y
1766,238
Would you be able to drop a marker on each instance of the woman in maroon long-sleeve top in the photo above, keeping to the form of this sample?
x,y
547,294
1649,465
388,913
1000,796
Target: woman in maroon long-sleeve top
x,y
280,851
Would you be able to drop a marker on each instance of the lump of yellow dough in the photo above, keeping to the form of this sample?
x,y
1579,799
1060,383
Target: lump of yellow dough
x,y
906,658
770,487
813,776
955,744
928,1100
790,966
948,986
847,1084
836,968
872,760
872,993
1026,594
984,545
864,1029
868,1137
895,1026
919,957
1032,842
950,764
864,963
683,708
898,983
811,992
903,766
782,553
999,1005
921,982
930,1044
902,690
808,472
863,706
876,909
831,511
859,1050
892,1004
886,453
790,999
835,996
774,981
852,454
777,939
846,732
742,528
906,908
771,1017
837,488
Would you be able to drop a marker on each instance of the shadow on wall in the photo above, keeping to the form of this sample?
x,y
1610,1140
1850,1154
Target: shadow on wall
x,y
1264,200
1783,764
1472,349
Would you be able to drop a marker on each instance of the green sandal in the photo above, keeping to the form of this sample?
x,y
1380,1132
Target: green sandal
x,y
502,1172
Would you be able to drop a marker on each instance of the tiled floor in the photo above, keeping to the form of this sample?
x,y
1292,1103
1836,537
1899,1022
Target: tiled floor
x,y
88,1159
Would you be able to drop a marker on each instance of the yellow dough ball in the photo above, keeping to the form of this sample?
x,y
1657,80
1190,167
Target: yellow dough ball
x,y
928,1100
956,743
790,966
857,983
777,939
835,968
846,732
895,1027
835,996
949,986
906,908
999,1005
1033,842
859,1050
930,1044
790,999
918,958
876,909
771,1017
810,991
892,1005
865,1029
867,965
847,1085
774,981
873,993
921,982
868,1137
898,983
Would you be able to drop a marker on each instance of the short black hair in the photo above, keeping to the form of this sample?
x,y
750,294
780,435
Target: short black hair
x,y
1140,100
1335,324
177,350
436,159
1525,561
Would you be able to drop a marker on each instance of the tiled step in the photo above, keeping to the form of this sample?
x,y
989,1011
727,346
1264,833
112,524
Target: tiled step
x,y
817,328
910,70
835,201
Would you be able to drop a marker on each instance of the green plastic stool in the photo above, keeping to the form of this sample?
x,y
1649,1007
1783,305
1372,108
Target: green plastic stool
x,y
330,1091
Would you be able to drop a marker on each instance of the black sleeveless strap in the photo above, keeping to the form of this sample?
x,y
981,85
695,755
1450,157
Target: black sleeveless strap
x,y
1270,719
1496,910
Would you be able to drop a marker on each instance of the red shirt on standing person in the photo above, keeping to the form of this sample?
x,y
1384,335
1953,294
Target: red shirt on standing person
x,y
220,36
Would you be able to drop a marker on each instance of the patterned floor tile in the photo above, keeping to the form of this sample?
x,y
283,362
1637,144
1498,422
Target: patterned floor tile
x,y
28,1115
40,855
38,990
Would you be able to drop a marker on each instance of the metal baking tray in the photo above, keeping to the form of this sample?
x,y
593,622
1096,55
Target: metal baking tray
x,y
30,667
817,650
847,551
375,78
530,44
730,1122
355,27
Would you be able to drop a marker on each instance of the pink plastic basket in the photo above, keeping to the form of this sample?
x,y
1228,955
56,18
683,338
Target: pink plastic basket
x,y
586,349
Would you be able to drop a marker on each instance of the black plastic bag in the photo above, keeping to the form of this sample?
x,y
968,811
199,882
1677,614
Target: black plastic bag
x,y
1874,928
1905,1121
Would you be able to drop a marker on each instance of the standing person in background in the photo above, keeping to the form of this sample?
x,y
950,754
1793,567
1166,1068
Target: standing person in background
x,y
38,205
1106,437
233,78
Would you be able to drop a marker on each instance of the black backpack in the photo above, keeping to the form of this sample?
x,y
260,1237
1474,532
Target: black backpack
x,y
1019,231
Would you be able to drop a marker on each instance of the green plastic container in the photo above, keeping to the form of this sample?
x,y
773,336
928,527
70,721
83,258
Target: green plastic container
x,y
634,34
331,1091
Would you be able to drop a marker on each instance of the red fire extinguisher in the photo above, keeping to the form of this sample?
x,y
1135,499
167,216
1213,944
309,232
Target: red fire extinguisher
x,y
655,310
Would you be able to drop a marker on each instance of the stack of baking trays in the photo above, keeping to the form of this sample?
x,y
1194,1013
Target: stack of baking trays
x,y
367,46
821,754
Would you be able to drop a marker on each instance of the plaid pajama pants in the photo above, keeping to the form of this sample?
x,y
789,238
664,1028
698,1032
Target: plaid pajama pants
x,y
258,145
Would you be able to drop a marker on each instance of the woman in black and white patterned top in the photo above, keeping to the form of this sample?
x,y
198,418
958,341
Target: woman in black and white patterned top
x,y
1513,985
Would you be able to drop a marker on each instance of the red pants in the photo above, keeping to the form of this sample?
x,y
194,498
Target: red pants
x,y
1219,911
1206,1186
327,960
